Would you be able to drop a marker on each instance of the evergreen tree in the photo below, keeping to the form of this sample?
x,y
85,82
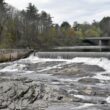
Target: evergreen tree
x,y
105,26
65,25
31,12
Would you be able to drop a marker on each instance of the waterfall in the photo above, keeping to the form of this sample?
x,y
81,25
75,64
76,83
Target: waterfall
x,y
70,55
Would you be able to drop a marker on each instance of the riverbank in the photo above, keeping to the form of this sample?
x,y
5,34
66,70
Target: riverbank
x,y
14,54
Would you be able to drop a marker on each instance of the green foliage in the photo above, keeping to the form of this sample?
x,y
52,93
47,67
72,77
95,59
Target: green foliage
x,y
65,25
31,12
30,29
105,26
93,32
2,5
88,30
79,34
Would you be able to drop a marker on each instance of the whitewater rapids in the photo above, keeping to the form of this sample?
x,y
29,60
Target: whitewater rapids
x,y
38,68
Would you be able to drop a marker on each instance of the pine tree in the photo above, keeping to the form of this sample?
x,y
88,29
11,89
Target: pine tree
x,y
31,12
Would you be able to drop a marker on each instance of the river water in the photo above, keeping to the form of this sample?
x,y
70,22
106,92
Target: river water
x,y
81,83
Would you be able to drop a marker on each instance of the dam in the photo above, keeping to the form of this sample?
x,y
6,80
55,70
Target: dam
x,y
70,55
95,47
92,47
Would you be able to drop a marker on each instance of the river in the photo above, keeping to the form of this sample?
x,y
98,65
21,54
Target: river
x,y
55,84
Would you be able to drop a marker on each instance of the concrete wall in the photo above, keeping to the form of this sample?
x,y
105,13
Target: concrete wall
x,y
13,54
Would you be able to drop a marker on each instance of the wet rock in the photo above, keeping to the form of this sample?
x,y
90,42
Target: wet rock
x,y
94,91
87,91
70,83
103,102
75,99
67,71
59,97
89,80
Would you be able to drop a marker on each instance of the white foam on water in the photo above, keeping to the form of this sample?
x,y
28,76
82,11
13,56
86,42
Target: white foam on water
x,y
53,67
13,68
30,59
35,59
80,96
66,80
101,62
101,76
108,99
83,106
19,65
26,72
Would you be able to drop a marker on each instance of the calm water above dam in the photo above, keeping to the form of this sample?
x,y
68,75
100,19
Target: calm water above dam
x,y
55,84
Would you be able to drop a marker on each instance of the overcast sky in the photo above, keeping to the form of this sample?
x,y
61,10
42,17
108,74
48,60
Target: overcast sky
x,y
69,10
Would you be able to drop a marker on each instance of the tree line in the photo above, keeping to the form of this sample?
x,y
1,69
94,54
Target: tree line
x,y
30,28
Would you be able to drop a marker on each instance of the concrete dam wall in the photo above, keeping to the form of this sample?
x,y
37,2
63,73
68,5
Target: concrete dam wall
x,y
13,54
69,55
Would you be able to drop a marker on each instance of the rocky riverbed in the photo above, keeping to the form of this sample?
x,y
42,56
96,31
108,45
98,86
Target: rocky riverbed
x,y
55,84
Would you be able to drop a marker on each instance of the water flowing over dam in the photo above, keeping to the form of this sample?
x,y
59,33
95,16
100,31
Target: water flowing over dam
x,y
69,55
79,83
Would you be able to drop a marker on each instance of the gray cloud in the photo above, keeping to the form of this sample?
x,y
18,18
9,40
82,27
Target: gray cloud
x,y
69,10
